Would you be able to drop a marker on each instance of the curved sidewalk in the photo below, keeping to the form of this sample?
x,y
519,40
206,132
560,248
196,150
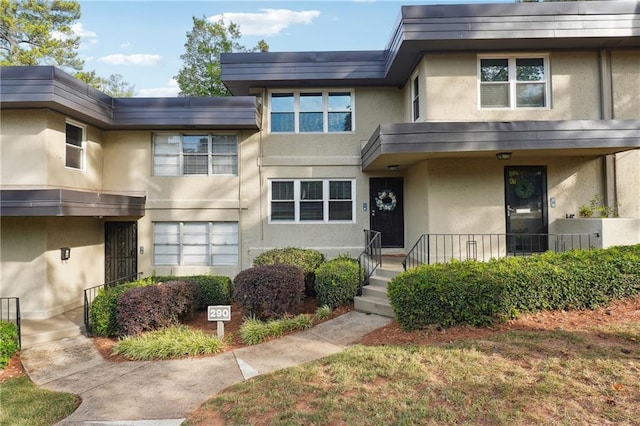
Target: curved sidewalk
x,y
166,392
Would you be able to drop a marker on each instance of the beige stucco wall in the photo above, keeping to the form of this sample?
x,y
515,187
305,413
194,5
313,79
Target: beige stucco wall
x,y
31,265
452,89
625,69
33,152
316,156
467,195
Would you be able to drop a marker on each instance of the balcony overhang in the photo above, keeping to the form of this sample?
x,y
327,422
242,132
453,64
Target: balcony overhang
x,y
405,144
66,202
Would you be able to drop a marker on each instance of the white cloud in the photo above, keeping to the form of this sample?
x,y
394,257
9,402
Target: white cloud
x,y
268,22
125,45
135,59
171,90
80,31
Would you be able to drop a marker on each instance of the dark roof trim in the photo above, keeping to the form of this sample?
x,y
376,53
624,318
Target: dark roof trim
x,y
49,87
419,140
65,202
443,28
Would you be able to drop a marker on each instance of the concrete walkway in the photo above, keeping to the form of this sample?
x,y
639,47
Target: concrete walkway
x,y
164,393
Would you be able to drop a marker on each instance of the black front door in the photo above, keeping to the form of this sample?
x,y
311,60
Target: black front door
x,y
526,209
120,252
387,210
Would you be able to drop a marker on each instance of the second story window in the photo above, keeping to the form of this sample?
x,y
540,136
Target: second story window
x,y
415,98
74,146
203,154
513,82
311,112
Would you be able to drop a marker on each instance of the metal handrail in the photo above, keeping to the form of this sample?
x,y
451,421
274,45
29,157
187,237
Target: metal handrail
x,y
15,318
439,248
370,258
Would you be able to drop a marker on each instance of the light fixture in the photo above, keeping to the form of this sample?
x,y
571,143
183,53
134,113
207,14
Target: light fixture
x,y
392,167
503,155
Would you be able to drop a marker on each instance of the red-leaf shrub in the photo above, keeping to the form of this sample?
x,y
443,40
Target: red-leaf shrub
x,y
149,308
270,291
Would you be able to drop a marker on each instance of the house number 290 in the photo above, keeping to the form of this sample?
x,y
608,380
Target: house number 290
x,y
219,313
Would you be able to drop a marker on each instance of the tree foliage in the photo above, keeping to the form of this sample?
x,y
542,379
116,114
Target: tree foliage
x,y
38,32
115,86
200,74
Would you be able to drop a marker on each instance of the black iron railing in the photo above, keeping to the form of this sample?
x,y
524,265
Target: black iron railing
x,y
440,248
91,293
10,312
371,258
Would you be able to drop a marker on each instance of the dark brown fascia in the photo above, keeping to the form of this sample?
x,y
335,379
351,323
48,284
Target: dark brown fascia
x,y
65,202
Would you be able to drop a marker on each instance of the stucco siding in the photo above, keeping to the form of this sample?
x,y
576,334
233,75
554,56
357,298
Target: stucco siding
x,y
452,89
23,148
625,66
467,195
627,166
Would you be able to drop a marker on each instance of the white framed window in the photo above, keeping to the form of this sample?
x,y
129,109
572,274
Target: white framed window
x,y
312,201
513,82
311,111
415,98
195,154
75,146
195,243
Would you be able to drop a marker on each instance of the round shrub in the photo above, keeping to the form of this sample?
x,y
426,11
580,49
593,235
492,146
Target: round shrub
x,y
270,290
103,314
337,282
213,289
307,259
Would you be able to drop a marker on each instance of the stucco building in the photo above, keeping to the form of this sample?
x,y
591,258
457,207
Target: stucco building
x,y
315,147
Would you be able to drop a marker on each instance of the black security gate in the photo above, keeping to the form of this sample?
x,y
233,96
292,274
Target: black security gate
x,y
120,252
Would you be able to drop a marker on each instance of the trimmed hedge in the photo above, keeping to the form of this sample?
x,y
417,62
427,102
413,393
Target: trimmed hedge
x,y
337,282
270,291
8,342
477,293
309,260
153,307
212,289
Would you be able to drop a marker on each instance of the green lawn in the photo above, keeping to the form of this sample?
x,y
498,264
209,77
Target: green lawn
x,y
512,378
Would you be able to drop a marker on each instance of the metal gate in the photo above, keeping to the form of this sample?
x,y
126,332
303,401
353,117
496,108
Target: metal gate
x,y
120,252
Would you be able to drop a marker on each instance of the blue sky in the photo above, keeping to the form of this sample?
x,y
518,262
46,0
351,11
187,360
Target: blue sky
x,y
143,40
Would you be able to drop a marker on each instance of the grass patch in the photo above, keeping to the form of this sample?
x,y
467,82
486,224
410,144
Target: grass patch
x,y
171,342
254,331
23,403
323,312
514,378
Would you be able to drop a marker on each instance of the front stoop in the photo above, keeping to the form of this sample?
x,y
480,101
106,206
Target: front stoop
x,y
69,324
374,296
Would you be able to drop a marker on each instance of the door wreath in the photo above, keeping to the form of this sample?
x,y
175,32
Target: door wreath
x,y
524,188
386,201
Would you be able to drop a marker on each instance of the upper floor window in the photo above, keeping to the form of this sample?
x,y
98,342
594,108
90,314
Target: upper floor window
x,y
514,82
416,98
74,146
312,201
311,112
202,154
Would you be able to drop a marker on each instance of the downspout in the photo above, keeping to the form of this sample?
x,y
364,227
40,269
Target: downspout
x,y
607,113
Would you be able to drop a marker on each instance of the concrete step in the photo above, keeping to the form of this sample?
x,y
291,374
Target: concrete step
x,y
373,306
69,324
374,298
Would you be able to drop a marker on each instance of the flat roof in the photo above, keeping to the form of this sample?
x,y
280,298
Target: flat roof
x,y
442,28
50,87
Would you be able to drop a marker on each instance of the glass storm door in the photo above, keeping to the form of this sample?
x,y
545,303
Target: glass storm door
x,y
526,209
